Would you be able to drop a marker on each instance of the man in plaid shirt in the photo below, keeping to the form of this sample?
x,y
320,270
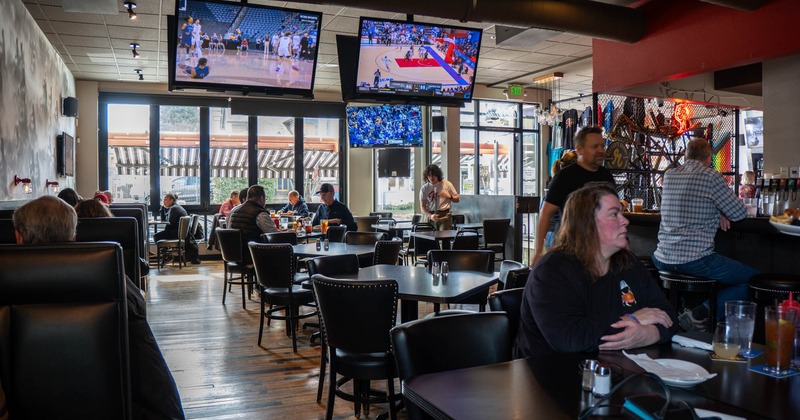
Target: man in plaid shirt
x,y
695,201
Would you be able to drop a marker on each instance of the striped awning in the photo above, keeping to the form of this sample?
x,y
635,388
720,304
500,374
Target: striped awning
x,y
503,163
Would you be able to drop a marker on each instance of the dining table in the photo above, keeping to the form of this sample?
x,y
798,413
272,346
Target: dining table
x,y
394,230
416,284
334,248
550,387
443,238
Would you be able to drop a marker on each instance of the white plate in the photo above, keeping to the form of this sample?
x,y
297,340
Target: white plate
x,y
702,374
786,229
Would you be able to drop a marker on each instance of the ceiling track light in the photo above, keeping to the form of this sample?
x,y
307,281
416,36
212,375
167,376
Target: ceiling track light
x,y
139,72
134,46
130,5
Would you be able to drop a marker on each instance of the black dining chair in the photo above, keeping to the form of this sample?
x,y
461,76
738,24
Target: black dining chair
x,y
418,248
175,247
466,240
416,218
381,214
288,237
387,252
274,265
365,223
510,302
336,233
236,271
459,260
458,219
363,238
495,232
449,342
505,267
518,278
356,319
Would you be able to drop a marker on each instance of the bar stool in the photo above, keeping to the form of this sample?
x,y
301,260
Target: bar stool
x,y
676,283
764,289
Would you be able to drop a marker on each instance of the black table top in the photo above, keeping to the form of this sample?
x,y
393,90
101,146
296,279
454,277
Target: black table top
x,y
549,387
385,227
437,235
335,248
415,283
470,225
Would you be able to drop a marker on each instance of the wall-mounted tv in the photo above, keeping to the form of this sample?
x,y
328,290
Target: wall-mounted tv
x,y
225,46
416,62
394,163
65,155
385,126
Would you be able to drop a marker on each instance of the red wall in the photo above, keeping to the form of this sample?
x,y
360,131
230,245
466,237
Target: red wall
x,y
687,37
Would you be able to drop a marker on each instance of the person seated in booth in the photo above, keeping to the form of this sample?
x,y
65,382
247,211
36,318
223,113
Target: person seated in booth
x,y
297,206
92,208
590,292
331,209
70,196
154,395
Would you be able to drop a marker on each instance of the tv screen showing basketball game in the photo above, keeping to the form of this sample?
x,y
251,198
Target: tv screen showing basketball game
x,y
416,59
385,126
244,47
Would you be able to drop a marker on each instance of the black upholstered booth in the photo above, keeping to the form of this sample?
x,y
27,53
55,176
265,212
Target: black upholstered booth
x,y
7,232
123,230
63,331
141,219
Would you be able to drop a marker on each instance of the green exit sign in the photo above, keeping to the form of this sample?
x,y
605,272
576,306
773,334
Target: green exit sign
x,y
515,91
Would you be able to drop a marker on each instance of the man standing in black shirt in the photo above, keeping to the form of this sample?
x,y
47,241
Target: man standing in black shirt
x,y
336,212
591,150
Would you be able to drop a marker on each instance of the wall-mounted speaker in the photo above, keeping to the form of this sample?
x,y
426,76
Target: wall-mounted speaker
x,y
70,107
437,123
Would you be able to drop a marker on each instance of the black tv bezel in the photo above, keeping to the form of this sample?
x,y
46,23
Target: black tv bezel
x,y
172,48
381,146
402,99
380,174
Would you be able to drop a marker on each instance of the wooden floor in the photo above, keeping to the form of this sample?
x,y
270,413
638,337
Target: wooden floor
x,y
213,354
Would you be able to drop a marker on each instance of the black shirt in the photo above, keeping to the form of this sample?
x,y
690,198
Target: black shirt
x,y
337,210
572,178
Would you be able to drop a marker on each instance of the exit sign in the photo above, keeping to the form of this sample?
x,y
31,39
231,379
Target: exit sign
x,y
515,91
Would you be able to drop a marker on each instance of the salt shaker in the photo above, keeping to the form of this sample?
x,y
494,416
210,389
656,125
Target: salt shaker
x,y
444,270
319,244
602,380
435,270
588,366
327,244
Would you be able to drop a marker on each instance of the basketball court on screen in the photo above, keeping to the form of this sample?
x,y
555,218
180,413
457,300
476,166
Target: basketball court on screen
x,y
252,68
416,69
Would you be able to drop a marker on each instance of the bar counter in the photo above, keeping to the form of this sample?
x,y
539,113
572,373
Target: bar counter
x,y
753,241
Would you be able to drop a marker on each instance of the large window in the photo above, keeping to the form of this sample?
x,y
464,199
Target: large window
x,y
179,153
276,156
396,194
227,153
129,153
320,155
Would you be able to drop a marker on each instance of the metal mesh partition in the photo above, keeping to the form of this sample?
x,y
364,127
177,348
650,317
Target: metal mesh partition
x,y
644,139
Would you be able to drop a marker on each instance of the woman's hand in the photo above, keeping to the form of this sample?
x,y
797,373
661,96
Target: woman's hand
x,y
434,217
651,316
633,335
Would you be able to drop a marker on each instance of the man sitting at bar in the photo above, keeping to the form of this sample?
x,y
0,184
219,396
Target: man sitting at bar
x,y
252,218
589,292
50,220
336,212
297,206
695,200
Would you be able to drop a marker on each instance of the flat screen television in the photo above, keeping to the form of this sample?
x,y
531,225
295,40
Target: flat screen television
x,y
416,62
385,126
223,46
394,163
65,155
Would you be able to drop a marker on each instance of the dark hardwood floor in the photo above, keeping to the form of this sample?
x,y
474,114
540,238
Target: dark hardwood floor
x,y
212,351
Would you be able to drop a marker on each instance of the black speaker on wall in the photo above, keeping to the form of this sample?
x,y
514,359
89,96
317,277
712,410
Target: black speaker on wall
x,y
437,123
70,107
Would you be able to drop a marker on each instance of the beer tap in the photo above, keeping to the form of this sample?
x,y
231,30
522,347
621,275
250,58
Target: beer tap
x,y
793,188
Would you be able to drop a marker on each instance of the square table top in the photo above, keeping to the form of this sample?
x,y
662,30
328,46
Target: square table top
x,y
335,248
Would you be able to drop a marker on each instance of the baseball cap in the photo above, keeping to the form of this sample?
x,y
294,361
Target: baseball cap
x,y
325,188
101,197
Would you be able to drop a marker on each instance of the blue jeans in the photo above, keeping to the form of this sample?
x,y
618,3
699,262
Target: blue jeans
x,y
727,271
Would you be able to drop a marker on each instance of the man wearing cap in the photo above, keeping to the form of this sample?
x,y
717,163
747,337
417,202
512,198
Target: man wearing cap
x,y
336,212
252,218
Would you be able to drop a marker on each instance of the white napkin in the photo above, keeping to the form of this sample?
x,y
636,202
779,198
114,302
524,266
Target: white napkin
x,y
690,342
665,372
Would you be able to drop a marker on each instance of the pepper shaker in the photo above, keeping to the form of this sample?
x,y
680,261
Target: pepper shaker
x,y
602,380
327,244
588,366
319,244
444,270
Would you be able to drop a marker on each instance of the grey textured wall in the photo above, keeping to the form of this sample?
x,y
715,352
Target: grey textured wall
x,y
33,80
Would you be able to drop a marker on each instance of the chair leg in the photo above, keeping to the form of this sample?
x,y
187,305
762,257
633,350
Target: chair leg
x,y
226,283
293,310
261,324
357,397
322,363
390,398
331,389
244,305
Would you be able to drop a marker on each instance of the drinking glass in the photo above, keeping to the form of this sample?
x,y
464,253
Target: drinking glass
x,y
726,340
779,326
751,205
638,205
309,227
741,315
323,225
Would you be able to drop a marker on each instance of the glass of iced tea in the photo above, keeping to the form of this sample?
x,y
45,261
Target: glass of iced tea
x,y
309,227
323,225
779,326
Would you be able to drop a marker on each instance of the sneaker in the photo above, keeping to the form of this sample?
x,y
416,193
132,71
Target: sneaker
x,y
689,323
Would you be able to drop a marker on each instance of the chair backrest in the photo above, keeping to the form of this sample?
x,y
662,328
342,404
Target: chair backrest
x,y
6,213
336,233
274,264
184,223
505,267
7,232
416,218
451,342
230,245
123,230
510,302
356,315
421,247
386,221
365,223
495,231
333,265
140,215
387,252
381,214
517,278
471,260
466,240
458,219
194,225
363,238
64,337
288,237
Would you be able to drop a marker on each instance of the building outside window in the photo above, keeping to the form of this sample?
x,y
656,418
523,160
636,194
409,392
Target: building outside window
x,y
179,153
129,152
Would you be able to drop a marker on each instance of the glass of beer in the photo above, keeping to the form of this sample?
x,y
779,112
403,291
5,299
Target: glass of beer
x,y
726,340
308,226
779,325
323,225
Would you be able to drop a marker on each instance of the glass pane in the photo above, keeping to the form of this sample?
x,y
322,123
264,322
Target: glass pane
x,y
495,160
529,116
466,168
468,115
228,153
276,157
396,194
179,153
498,114
530,158
129,153
320,156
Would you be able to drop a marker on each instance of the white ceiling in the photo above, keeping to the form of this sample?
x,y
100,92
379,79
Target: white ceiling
x,y
96,46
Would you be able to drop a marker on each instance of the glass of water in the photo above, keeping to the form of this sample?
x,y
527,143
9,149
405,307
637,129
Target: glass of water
x,y
741,315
